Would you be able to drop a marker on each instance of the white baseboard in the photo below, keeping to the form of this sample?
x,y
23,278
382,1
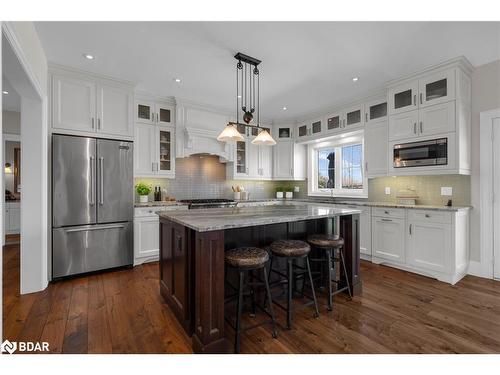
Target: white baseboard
x,y
479,269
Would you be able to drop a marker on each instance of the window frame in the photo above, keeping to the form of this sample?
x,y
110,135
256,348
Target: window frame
x,y
312,168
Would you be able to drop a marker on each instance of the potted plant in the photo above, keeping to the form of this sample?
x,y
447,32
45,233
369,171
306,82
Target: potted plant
x,y
143,191
289,193
279,192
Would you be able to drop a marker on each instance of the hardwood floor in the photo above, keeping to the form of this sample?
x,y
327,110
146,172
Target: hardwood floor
x,y
122,312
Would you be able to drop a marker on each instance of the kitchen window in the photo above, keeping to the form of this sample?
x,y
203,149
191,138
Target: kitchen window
x,y
336,168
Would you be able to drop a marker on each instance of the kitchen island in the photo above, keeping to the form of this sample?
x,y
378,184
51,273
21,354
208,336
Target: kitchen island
x,y
192,245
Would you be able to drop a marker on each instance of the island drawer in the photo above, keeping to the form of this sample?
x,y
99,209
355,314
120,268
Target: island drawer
x,y
430,216
397,213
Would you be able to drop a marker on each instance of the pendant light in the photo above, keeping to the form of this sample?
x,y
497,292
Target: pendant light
x,y
247,91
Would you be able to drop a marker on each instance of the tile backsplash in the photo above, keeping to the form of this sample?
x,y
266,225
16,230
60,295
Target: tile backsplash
x,y
427,188
201,176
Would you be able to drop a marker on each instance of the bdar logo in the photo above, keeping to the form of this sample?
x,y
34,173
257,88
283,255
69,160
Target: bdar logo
x,y
9,347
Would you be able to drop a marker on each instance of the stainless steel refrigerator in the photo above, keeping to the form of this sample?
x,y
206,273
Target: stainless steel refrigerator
x,y
92,204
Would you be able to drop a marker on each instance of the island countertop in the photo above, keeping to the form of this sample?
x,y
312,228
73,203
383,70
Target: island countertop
x,y
205,220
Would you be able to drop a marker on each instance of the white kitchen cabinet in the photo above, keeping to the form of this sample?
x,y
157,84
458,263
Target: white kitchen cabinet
x,y
73,104
154,151
436,88
146,232
354,117
12,218
266,162
436,119
289,161
388,238
403,125
375,111
153,112
165,151
429,244
114,110
144,150
146,239
403,98
375,149
90,106
334,122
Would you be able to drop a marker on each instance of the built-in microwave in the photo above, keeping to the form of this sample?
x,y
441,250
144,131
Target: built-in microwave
x,y
419,154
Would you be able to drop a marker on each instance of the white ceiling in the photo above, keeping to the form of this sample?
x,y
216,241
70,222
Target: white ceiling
x,y
12,101
307,66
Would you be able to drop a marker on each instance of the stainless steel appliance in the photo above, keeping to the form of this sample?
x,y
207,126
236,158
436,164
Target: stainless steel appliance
x,y
209,203
422,153
92,204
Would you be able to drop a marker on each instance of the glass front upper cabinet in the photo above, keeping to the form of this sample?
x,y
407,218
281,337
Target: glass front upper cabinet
x,y
165,140
241,159
284,133
376,111
316,127
144,112
403,98
302,131
354,117
437,88
333,123
164,115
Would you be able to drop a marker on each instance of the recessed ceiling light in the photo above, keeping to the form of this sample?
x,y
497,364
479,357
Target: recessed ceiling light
x,y
5,92
355,79
239,96
284,108
88,56
178,80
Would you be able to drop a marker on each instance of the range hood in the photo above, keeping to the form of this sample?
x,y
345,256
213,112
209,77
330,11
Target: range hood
x,y
204,141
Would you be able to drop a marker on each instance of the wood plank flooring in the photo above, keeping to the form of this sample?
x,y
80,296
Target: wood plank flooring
x,y
123,312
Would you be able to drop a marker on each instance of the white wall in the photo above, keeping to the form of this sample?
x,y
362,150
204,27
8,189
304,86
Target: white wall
x,y
26,69
11,122
485,96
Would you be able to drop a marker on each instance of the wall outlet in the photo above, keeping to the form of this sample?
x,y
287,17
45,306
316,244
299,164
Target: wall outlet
x,y
296,189
387,190
446,190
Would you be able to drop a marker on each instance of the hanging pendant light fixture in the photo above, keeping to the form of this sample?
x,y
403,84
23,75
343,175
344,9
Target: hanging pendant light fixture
x,y
247,91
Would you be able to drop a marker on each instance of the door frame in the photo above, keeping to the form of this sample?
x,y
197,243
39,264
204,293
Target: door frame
x,y
486,193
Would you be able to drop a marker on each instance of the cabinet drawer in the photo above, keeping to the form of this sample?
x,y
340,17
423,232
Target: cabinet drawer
x,y
430,216
398,213
151,211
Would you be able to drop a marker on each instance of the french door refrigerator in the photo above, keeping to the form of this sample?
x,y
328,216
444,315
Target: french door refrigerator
x,y
92,204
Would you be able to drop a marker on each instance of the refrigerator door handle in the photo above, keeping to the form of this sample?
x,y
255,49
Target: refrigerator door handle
x,y
92,181
95,228
101,181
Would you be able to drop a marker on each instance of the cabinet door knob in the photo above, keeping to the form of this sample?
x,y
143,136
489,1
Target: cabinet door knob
x,y
410,229
99,124
421,127
366,117
414,128
421,102
415,99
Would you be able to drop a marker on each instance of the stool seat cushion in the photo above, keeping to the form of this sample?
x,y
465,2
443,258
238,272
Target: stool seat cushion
x,y
290,248
246,257
325,240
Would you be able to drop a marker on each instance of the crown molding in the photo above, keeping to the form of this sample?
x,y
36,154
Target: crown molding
x,y
58,68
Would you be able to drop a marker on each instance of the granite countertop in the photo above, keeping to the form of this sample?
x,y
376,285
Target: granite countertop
x,y
353,203
160,204
204,220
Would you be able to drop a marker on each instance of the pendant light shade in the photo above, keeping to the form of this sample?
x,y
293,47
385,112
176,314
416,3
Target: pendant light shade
x,y
264,139
230,133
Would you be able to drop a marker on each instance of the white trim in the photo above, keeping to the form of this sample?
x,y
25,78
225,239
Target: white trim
x,y
484,267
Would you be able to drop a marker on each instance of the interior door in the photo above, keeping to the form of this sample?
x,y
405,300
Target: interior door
x,y
115,181
496,203
73,180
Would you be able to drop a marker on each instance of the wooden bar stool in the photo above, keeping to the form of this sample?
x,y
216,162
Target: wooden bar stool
x,y
293,250
331,244
245,260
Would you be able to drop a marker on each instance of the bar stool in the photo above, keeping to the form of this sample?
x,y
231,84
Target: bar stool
x,y
245,260
293,250
331,244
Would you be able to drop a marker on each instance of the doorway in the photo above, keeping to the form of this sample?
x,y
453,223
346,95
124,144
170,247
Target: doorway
x,y
496,196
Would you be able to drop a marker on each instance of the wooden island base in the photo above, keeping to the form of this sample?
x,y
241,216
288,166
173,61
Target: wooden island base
x,y
192,269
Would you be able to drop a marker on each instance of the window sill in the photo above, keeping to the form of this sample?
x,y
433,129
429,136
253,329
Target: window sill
x,y
336,195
